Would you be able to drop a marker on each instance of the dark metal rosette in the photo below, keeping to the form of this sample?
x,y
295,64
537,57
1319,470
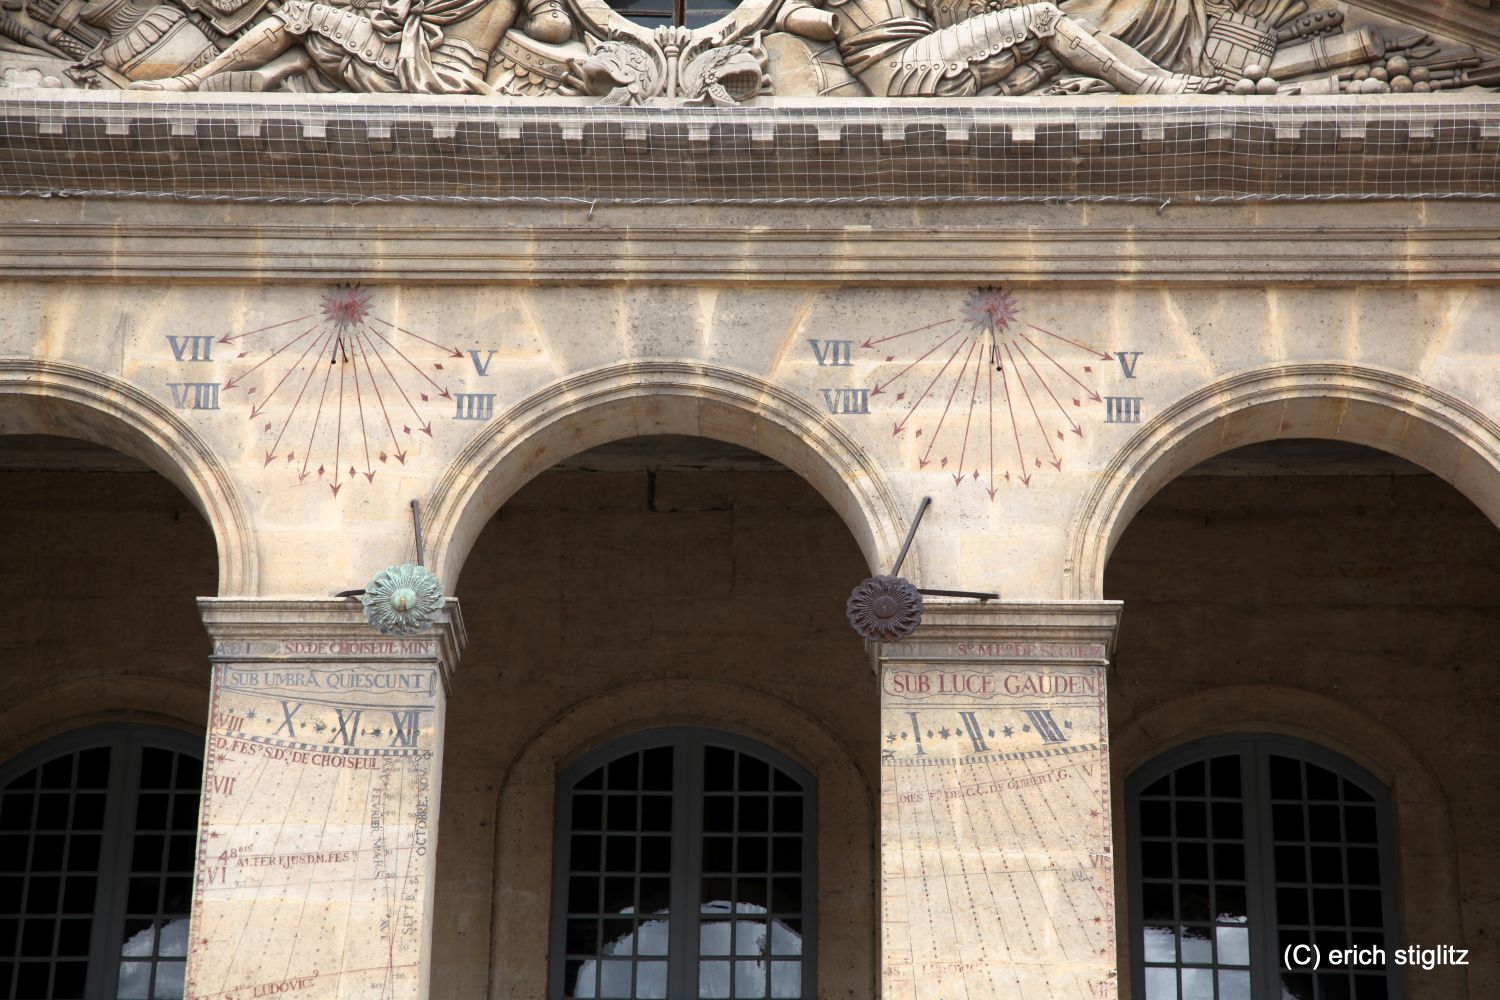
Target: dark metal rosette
x,y
402,599
884,608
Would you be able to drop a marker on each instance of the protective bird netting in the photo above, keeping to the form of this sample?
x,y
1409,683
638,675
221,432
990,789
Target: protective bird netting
x,y
306,149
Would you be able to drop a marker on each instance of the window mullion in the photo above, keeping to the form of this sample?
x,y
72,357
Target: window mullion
x,y
114,864
1261,856
687,863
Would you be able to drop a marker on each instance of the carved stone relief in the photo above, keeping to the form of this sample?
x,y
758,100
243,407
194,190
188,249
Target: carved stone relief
x,y
882,48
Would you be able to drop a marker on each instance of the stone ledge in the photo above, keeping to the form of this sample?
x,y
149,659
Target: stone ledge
x,y
56,239
399,148
248,629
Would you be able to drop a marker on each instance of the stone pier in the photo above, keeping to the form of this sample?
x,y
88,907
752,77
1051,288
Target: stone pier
x,y
318,833
997,874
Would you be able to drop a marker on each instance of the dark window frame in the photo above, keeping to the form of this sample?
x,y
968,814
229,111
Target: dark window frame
x,y
679,16
1255,751
122,794
687,848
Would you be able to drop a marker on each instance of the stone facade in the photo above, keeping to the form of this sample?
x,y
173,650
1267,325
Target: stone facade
x,y
322,336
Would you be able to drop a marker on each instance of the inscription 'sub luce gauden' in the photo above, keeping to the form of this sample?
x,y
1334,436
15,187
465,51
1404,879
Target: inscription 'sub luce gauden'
x,y
997,873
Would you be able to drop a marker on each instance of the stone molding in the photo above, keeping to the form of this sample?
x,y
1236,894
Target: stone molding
x,y
781,151
1010,632
256,625
74,401
50,243
1368,406
658,397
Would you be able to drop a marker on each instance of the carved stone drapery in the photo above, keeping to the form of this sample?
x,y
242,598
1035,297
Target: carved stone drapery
x,y
882,48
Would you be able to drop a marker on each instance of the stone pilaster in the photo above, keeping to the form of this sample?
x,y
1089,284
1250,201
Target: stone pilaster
x,y
317,840
996,864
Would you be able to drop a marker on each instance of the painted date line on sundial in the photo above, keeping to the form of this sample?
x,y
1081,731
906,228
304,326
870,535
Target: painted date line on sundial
x,y
339,391
989,397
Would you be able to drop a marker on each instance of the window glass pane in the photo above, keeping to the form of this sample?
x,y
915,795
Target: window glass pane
x,y
713,979
786,979
1322,784
651,980
1197,984
1286,777
1225,772
652,937
1160,945
135,981
1192,860
1234,985
1229,861
786,937
1190,781
1193,903
1159,900
749,979
1230,908
715,937
614,979
168,980
1161,984
576,983
1234,946
1197,946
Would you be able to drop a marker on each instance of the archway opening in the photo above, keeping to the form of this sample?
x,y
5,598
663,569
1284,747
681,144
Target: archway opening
x,y
656,581
57,401
646,399
102,704
1335,594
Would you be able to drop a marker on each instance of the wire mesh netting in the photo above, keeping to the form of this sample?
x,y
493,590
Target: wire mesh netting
x,y
453,150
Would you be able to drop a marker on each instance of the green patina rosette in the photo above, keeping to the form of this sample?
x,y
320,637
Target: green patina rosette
x,y
401,600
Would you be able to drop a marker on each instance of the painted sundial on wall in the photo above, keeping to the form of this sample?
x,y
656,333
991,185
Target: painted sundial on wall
x,y
991,398
340,392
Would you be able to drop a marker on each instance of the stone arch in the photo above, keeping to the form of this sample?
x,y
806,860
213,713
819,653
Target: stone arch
x,y
641,398
1426,835
54,708
1360,405
847,879
48,397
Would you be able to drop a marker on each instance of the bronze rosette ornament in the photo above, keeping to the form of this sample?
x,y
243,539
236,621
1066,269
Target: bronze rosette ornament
x,y
402,600
884,608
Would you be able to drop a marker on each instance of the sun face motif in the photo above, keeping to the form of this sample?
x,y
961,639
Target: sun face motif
x,y
884,608
990,310
345,306
342,390
402,599
985,395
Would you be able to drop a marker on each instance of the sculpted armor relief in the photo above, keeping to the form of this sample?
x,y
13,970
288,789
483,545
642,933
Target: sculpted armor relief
x,y
836,48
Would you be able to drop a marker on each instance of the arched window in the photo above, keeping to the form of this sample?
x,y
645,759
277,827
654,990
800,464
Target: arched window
x,y
684,868
98,831
1241,849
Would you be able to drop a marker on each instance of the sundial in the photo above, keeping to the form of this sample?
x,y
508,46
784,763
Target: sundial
x,y
998,876
989,396
339,391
